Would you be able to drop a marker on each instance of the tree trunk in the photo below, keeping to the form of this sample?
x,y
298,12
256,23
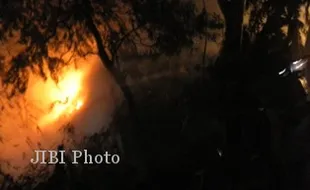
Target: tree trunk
x,y
206,41
229,66
119,77
107,62
233,15
124,131
228,63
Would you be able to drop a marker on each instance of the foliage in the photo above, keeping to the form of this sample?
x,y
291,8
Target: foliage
x,y
93,26
267,18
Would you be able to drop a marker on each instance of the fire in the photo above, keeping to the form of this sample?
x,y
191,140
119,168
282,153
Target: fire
x,y
34,120
65,97
79,104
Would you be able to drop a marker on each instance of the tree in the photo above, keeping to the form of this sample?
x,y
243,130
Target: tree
x,y
81,26
233,12
106,28
269,49
109,29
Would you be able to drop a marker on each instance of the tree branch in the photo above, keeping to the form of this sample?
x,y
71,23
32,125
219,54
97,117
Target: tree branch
x,y
94,30
121,41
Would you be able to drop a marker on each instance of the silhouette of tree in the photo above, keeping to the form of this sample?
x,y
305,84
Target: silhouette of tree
x,y
92,26
269,50
265,34
233,12
109,29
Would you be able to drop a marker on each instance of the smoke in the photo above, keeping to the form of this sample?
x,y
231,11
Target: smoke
x,y
85,97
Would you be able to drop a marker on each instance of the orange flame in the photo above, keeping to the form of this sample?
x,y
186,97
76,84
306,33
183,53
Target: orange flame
x,y
65,97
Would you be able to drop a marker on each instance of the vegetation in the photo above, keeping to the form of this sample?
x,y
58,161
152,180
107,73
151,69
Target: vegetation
x,y
183,124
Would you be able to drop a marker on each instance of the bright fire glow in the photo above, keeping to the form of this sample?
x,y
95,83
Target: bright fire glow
x,y
35,120
65,97
79,104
